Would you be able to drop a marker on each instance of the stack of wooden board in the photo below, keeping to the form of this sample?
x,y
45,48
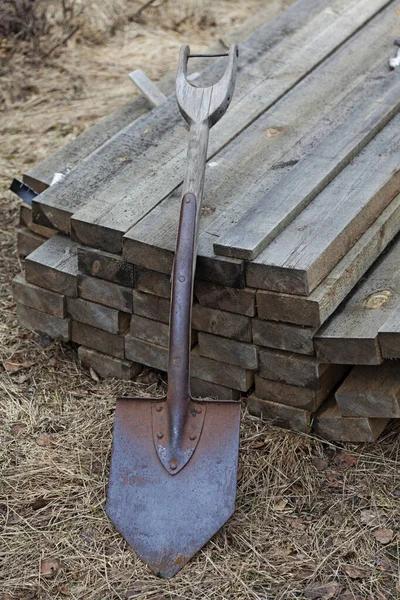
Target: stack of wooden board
x,y
296,279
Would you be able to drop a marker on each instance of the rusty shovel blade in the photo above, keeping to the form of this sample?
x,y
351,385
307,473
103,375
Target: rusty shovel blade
x,y
166,518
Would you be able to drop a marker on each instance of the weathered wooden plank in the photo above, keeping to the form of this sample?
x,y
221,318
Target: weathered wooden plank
x,y
300,397
25,220
389,336
303,255
148,88
288,417
152,282
38,298
241,301
35,320
254,156
149,330
206,319
228,351
110,173
54,265
98,339
314,310
206,369
206,389
329,424
292,368
105,292
351,334
105,266
108,366
283,336
102,221
269,215
97,315
372,391
27,241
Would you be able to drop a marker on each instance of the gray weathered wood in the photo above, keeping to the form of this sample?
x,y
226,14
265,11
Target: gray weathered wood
x,y
159,138
99,340
149,330
372,391
105,292
288,417
351,334
27,241
58,329
108,366
103,221
330,425
206,389
241,301
283,336
54,265
292,368
151,306
314,310
152,282
97,315
300,397
25,220
148,88
303,255
254,155
389,336
228,351
146,353
269,215
105,266
38,298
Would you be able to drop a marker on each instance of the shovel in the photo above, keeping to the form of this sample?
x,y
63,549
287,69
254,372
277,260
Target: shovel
x,y
174,460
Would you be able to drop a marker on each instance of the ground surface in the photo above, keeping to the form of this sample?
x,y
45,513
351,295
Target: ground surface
x,y
313,520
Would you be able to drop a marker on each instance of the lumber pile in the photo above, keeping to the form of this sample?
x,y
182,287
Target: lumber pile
x,y
297,282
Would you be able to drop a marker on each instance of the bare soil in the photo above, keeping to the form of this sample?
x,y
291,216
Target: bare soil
x,y
313,519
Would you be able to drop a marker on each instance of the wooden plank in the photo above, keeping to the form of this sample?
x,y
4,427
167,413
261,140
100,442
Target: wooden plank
x,y
206,319
288,417
104,221
109,173
149,330
389,336
269,215
105,266
283,336
108,366
292,368
97,315
148,88
253,155
40,322
300,397
54,265
315,309
240,301
228,351
351,334
212,371
27,241
38,298
205,389
329,424
303,255
25,220
95,338
372,391
105,292
152,282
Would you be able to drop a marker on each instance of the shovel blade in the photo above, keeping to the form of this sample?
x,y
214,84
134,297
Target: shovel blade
x,y
167,518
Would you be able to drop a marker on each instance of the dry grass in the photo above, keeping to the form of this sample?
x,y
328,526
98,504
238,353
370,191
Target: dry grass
x,y
300,520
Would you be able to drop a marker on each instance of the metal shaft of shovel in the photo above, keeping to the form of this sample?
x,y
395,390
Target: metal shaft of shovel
x,y
174,460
